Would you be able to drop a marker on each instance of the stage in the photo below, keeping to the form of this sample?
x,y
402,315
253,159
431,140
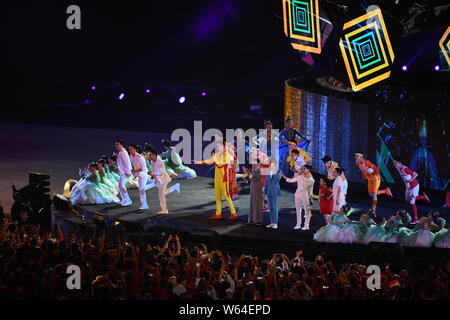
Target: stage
x,y
60,151
189,212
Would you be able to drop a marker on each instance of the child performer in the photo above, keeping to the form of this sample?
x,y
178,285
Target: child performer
x,y
373,178
221,160
303,195
124,167
162,179
330,166
326,199
412,187
140,172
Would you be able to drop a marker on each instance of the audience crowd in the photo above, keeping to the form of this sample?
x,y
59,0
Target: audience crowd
x,y
33,265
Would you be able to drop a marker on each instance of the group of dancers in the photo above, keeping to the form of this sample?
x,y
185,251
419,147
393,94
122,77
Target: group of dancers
x,y
108,179
428,231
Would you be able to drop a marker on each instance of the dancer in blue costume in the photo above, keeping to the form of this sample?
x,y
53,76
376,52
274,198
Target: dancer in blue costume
x,y
174,165
287,135
89,190
351,232
110,185
365,221
395,228
112,168
423,235
442,238
331,232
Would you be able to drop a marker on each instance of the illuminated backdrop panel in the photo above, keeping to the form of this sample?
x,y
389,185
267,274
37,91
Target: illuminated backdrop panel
x,y
302,24
366,50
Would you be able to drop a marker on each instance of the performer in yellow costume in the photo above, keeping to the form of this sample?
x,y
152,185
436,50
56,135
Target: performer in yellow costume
x,y
222,161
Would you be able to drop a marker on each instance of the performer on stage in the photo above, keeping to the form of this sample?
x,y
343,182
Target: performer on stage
x,y
232,168
326,198
371,173
162,179
297,159
124,167
174,165
332,231
256,193
89,189
273,192
140,172
266,139
330,166
423,234
221,160
340,186
286,136
303,195
412,187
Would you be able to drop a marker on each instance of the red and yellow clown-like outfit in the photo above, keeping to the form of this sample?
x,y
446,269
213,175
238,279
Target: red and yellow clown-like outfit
x,y
222,161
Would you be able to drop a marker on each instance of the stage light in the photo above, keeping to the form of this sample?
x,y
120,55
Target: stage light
x,y
366,50
302,24
203,94
182,99
147,91
436,68
93,87
87,101
121,96
404,68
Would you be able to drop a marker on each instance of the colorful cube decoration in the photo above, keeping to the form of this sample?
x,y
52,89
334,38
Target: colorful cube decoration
x,y
444,44
367,50
302,24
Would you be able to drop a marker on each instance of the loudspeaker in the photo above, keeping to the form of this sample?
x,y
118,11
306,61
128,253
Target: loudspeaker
x,y
60,202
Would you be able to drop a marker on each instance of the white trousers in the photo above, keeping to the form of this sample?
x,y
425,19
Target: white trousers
x,y
162,191
341,203
142,181
411,194
123,189
302,203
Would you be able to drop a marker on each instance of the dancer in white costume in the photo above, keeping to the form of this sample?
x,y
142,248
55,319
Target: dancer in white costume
x,y
303,195
140,172
340,186
162,179
124,167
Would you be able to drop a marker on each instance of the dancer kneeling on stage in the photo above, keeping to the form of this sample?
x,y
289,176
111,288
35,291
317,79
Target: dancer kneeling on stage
x,y
332,232
90,190
140,171
162,179
222,161
303,195
174,165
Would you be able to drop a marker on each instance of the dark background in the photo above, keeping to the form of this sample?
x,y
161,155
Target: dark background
x,y
234,50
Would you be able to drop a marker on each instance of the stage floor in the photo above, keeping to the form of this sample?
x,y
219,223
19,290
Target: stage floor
x,y
60,151
189,212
